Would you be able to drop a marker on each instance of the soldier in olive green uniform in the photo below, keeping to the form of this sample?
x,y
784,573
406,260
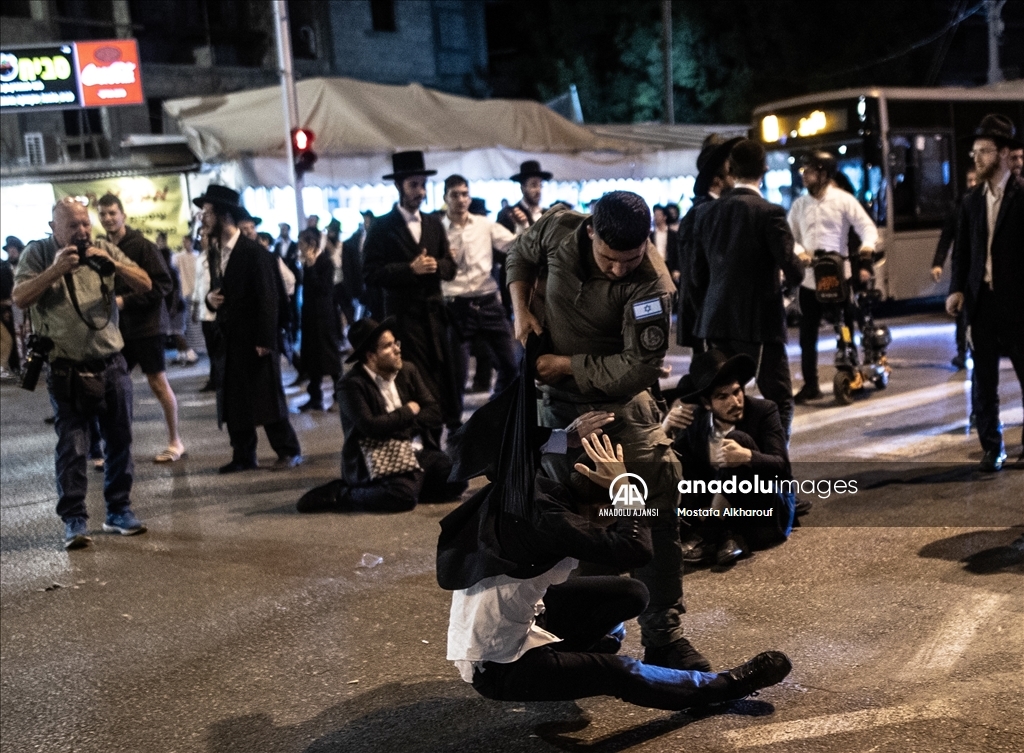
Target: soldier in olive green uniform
x,y
605,302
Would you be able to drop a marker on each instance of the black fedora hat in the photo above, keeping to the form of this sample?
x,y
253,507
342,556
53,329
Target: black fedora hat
x,y
1000,129
710,161
530,169
407,164
478,206
218,196
13,242
362,335
257,221
709,370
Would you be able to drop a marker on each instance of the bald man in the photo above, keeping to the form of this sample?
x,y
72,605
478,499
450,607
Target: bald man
x,y
68,281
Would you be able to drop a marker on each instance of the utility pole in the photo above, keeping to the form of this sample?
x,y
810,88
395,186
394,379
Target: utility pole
x,y
289,101
993,11
666,43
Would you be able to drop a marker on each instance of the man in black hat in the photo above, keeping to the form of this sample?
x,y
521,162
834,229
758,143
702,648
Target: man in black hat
x,y
407,254
527,210
988,276
712,179
352,267
741,244
244,293
9,349
384,399
721,434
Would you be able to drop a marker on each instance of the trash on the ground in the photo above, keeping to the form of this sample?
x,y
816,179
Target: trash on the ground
x,y
126,616
352,682
423,641
370,560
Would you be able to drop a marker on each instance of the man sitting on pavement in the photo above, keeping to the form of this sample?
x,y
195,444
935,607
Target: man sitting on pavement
x,y
728,437
385,404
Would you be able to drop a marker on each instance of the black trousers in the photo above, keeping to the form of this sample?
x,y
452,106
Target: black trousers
x,y
992,335
215,351
280,434
482,321
581,611
772,376
810,326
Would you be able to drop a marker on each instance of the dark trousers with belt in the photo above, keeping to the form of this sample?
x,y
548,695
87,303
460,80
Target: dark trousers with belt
x,y
581,611
772,377
992,335
74,437
482,319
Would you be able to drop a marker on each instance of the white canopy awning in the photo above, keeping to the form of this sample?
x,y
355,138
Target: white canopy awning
x,y
358,125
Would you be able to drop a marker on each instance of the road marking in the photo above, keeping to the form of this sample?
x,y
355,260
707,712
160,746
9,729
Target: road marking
x,y
952,639
880,407
928,440
833,724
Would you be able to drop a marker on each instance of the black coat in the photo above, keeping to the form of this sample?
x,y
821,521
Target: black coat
x,y
740,244
416,300
144,314
364,414
970,251
319,320
689,299
248,318
352,263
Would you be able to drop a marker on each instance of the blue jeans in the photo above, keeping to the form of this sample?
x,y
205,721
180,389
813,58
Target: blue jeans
x,y
74,438
580,611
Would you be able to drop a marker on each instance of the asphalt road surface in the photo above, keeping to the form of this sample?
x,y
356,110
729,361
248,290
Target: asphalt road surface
x,y
236,624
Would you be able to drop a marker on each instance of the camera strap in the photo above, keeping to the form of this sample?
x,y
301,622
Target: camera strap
x,y
69,280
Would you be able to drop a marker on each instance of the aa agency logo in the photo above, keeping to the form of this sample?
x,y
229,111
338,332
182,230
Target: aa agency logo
x,y
628,495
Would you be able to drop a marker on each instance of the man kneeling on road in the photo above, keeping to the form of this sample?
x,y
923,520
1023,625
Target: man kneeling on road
x,y
385,408
728,437
531,633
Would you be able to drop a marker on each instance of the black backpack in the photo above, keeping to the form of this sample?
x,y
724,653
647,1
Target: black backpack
x,y
830,284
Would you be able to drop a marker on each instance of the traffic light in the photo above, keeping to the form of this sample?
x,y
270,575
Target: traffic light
x,y
302,150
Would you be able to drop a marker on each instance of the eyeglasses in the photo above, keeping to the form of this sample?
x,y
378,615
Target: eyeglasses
x,y
986,150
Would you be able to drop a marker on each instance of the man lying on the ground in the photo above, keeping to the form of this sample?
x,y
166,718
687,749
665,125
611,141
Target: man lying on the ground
x,y
728,442
385,408
533,634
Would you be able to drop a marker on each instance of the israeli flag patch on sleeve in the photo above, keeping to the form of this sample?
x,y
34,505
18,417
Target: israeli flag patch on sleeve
x,y
648,309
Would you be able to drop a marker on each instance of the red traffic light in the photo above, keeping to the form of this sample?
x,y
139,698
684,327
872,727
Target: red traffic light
x,y
302,140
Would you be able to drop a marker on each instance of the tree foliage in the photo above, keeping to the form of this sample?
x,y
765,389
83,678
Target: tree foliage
x,y
728,55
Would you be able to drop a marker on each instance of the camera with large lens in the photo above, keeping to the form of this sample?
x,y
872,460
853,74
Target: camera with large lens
x,y
38,349
101,265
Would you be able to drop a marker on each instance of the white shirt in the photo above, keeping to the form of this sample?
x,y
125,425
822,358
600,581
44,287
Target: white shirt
x,y
824,224
413,222
202,287
226,249
993,201
496,619
286,276
387,388
719,430
185,262
473,245
661,242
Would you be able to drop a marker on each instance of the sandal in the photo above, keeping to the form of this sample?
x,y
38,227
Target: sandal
x,y
170,455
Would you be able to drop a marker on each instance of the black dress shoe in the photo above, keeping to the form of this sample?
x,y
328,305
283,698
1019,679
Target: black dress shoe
x,y
325,498
959,362
807,392
762,671
731,548
310,406
287,462
993,460
697,551
677,655
803,506
235,466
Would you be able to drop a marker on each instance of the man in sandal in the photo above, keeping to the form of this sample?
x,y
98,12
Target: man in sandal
x,y
144,317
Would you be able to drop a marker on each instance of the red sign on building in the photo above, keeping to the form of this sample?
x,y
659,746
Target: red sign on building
x,y
109,73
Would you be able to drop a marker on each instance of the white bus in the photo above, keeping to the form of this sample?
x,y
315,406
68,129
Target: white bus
x,y
905,152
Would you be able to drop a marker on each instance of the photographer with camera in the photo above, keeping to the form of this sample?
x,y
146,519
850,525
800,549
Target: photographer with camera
x,y
68,281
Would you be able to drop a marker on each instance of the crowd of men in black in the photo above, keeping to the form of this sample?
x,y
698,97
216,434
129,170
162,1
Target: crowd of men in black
x,y
592,298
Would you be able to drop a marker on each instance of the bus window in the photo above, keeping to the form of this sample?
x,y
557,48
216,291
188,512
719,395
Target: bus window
x,y
922,188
